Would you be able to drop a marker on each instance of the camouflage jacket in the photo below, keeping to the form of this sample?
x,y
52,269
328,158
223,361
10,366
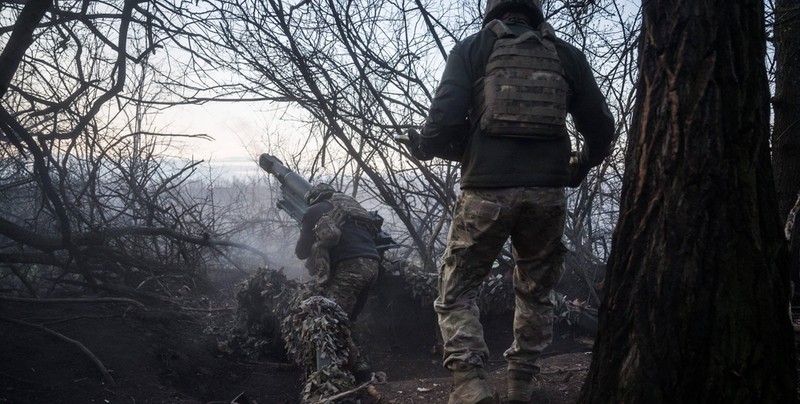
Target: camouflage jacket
x,y
355,241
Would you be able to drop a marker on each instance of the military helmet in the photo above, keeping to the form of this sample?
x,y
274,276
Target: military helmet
x,y
496,8
319,192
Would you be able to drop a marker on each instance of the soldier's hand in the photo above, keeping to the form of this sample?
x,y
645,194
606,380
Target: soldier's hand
x,y
403,139
578,170
411,139
407,138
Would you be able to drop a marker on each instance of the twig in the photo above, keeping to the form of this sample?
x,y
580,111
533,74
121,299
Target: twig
x,y
124,300
51,321
559,370
106,375
377,378
207,310
118,289
273,365
18,379
24,280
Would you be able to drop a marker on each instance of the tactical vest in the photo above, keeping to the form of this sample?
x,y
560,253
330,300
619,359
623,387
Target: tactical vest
x,y
328,230
347,209
523,93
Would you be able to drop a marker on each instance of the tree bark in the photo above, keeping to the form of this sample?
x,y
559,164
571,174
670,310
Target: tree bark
x,y
786,132
696,306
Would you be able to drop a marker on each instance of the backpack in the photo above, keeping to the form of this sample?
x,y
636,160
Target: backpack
x,y
524,92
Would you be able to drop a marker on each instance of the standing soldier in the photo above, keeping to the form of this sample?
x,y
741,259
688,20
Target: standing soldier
x,y
500,110
337,240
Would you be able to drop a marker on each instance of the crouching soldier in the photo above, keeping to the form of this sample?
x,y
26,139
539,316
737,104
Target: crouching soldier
x,y
337,240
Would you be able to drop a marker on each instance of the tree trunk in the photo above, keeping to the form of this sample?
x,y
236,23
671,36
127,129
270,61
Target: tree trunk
x,y
786,132
696,306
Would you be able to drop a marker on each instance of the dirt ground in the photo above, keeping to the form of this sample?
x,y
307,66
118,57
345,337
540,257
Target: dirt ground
x,y
415,375
163,354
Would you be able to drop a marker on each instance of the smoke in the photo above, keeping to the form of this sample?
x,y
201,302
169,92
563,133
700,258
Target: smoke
x,y
243,211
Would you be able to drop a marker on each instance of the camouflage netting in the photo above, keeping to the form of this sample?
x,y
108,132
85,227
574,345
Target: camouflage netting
x,y
496,295
423,286
262,301
277,317
318,340
573,313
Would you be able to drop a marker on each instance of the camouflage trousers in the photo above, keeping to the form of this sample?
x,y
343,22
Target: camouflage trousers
x,y
350,282
482,222
348,287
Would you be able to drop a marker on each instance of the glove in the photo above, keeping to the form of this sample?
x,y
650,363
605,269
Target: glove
x,y
578,170
406,138
411,139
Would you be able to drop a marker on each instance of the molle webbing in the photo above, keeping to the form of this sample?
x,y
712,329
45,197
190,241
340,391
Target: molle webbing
x,y
523,93
347,209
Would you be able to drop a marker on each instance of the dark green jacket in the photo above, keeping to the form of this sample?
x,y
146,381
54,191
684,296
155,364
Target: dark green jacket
x,y
491,161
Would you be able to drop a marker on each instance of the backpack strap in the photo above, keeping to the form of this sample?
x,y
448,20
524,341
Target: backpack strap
x,y
548,34
499,28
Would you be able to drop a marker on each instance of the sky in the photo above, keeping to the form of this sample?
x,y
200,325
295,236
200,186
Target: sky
x,y
238,132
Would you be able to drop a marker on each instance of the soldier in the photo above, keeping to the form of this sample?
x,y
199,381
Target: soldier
x,y
337,240
500,111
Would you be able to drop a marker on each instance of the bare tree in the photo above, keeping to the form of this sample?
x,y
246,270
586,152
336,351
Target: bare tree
x,y
353,73
357,83
695,308
360,72
96,201
607,33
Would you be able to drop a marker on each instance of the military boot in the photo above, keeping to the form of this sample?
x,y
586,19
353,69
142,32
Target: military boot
x,y
522,386
362,372
471,387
